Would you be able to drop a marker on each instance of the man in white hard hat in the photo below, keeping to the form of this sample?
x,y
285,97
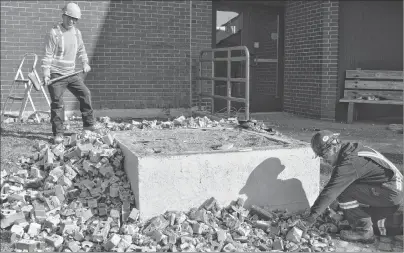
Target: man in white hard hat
x,y
63,44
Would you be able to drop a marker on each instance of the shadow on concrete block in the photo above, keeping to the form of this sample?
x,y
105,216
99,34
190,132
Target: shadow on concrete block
x,y
264,188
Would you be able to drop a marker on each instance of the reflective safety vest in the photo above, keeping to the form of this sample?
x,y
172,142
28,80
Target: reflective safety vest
x,y
385,163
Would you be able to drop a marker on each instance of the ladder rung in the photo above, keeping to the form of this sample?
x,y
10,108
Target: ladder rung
x,y
21,80
16,98
10,115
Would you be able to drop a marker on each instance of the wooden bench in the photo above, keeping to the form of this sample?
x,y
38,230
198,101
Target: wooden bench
x,y
372,87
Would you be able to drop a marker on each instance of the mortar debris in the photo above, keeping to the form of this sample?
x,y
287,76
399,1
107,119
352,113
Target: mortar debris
x,y
76,197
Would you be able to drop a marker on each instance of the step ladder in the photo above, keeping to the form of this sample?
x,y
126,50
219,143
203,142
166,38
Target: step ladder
x,y
18,80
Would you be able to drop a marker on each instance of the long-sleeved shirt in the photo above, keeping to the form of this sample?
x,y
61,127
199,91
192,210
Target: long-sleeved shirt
x,y
61,50
354,165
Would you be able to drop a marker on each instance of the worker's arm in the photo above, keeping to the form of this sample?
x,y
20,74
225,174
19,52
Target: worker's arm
x,y
341,178
50,46
81,50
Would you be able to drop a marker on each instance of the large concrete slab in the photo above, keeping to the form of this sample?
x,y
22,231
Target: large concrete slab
x,y
279,177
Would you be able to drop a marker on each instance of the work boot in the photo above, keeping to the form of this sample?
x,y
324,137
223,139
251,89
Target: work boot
x,y
363,236
58,139
92,128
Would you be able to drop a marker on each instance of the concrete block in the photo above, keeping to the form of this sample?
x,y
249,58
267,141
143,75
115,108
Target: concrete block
x,y
278,176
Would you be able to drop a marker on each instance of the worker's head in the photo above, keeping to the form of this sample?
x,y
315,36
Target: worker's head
x,y
326,145
71,14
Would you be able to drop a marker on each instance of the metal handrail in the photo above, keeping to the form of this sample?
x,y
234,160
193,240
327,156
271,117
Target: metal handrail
x,y
228,79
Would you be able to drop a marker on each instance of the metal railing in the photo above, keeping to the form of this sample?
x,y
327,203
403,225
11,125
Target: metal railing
x,y
229,59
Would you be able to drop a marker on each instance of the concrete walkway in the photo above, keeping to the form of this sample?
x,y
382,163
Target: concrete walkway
x,y
375,135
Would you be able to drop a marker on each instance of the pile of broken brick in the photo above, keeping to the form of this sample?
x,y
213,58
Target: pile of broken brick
x,y
75,196
179,122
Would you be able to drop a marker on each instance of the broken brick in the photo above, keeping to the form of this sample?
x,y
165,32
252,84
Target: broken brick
x,y
267,215
221,235
229,248
125,211
74,246
100,233
58,150
278,244
53,202
125,242
83,149
264,225
18,230
28,245
102,209
78,236
34,229
294,235
54,240
12,219
112,242
134,215
108,139
92,203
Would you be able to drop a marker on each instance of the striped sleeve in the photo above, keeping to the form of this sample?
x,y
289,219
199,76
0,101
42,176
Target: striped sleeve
x,y
50,46
81,50
341,178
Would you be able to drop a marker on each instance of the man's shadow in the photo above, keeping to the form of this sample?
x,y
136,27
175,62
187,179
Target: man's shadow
x,y
263,188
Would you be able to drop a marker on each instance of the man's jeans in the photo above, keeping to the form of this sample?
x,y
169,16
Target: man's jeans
x,y
77,87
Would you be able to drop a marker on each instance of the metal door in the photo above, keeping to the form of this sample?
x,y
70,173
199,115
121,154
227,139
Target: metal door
x,y
264,38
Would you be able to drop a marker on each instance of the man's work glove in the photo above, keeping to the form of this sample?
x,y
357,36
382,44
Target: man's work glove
x,y
308,222
86,68
46,80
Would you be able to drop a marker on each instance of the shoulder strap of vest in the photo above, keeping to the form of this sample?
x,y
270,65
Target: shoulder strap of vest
x,y
384,162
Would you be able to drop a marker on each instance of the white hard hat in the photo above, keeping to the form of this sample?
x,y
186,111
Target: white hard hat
x,y
72,10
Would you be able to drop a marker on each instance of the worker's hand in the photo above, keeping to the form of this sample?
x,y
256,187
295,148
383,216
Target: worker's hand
x,y
308,222
86,68
46,80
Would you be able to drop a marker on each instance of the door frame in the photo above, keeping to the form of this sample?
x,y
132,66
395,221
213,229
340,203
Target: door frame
x,y
279,7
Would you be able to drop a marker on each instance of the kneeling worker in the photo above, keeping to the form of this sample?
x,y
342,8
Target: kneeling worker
x,y
366,184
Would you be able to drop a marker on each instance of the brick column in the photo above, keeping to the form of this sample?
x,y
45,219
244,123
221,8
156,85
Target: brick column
x,y
311,58
329,68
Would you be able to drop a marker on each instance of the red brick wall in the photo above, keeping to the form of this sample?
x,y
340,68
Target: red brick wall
x,y
140,51
311,56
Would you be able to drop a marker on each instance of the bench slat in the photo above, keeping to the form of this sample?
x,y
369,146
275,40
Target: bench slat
x,y
374,85
386,95
375,74
381,102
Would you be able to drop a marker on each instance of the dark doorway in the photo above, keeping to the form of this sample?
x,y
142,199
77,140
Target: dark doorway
x,y
259,26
